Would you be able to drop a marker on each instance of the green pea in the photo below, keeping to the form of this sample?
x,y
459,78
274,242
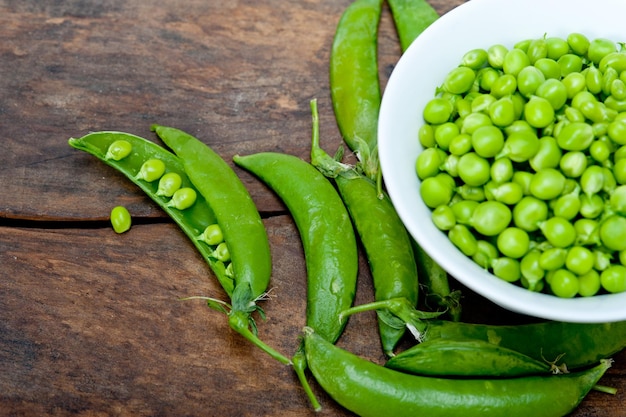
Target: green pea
x,y
464,210
486,252
608,76
502,111
548,155
428,162
523,178
437,111
537,49
183,198
575,136
617,200
603,260
613,233
459,80
487,141
589,284
539,112
463,107
520,126
470,192
617,131
496,54
567,206
461,236
558,231
426,135
119,150
528,80
619,171
168,184
578,42
564,283
491,217
222,253
443,217
570,64
474,121
151,170
482,102
435,191
574,83
486,77
600,151
592,180
520,147
501,170
579,260
475,58
507,269
573,164
513,242
212,235
547,183
552,259
574,115
554,91
514,61
599,48
591,206
444,133
593,79
549,67
613,279
557,47
509,193
120,219
587,231
531,270
505,85
460,144
618,89
613,60
473,169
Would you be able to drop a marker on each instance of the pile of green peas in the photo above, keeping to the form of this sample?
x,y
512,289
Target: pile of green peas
x,y
170,185
524,162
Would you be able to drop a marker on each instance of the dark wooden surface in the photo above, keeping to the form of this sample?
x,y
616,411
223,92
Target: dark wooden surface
x,y
90,322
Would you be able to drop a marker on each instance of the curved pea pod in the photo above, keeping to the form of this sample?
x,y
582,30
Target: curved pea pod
x,y
371,390
192,221
385,239
411,18
466,358
354,85
232,205
326,232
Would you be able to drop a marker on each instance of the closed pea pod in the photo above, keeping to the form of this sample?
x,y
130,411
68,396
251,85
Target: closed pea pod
x,y
411,17
368,389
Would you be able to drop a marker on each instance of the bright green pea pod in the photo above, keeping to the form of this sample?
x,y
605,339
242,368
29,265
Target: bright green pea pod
x,y
371,390
411,18
233,206
579,344
241,225
386,241
466,358
354,85
192,221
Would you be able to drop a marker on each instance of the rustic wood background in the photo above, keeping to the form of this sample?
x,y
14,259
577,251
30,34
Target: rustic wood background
x,y
90,322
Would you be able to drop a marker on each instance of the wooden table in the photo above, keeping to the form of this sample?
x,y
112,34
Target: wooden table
x,y
90,322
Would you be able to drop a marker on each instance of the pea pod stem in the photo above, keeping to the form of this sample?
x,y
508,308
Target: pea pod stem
x,y
368,389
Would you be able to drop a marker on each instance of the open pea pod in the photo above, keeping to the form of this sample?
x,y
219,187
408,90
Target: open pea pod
x,y
192,221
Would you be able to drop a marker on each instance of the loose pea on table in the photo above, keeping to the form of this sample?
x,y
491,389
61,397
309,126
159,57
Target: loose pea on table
x,y
92,321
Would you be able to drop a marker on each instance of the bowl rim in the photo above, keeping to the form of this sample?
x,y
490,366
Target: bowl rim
x,y
399,103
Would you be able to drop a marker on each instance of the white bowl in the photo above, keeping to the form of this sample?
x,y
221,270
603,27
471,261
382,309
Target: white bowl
x,y
481,23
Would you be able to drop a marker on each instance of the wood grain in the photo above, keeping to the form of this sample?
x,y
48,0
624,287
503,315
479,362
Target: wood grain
x,y
90,322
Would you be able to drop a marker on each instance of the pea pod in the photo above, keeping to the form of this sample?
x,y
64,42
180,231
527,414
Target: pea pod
x,y
232,205
354,86
466,358
368,389
579,344
411,18
328,240
191,221
382,233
